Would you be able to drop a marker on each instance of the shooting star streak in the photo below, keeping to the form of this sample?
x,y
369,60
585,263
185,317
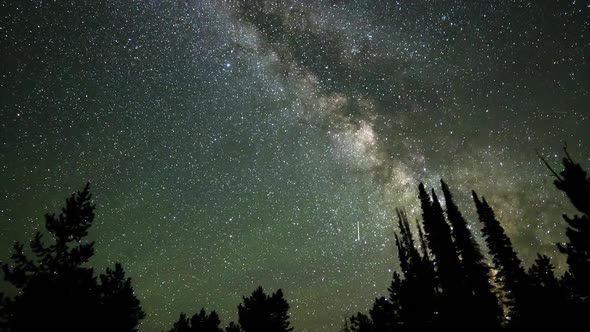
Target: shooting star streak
x,y
358,230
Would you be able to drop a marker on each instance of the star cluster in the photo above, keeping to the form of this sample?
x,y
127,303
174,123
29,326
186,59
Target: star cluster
x,y
239,143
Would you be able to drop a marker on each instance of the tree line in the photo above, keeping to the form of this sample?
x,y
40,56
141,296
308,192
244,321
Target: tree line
x,y
57,291
445,279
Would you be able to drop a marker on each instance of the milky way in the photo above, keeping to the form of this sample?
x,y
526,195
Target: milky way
x,y
232,144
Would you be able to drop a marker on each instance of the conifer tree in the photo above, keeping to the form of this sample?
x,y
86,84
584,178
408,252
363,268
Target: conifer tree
x,y
182,324
203,322
382,315
200,322
3,313
261,312
446,260
345,326
57,290
361,323
414,297
575,183
510,273
440,242
482,305
546,299
120,309
233,327
573,180
396,297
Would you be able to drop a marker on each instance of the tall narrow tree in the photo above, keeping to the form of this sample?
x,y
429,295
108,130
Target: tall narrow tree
x,y
483,306
546,299
510,273
416,294
446,260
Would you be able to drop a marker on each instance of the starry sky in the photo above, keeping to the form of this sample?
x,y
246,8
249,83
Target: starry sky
x,y
239,143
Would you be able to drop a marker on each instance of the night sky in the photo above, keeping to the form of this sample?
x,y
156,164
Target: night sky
x,y
232,144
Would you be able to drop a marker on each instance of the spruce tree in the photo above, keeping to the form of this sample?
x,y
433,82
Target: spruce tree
x,y
233,327
382,315
182,324
345,326
546,299
396,297
414,297
482,306
120,309
446,259
200,322
203,322
575,183
573,180
361,323
510,273
261,312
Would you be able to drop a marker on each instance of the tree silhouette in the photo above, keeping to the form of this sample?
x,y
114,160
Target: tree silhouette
x,y
121,310
382,315
454,289
482,306
413,297
206,323
4,326
233,327
361,323
510,273
575,183
182,324
547,300
57,291
446,259
200,322
573,180
261,312
345,326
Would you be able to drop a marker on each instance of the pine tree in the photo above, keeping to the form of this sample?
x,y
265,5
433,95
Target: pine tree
x,y
382,315
260,312
446,259
547,301
233,327
120,308
182,324
510,273
396,297
573,180
200,322
4,313
413,298
575,183
205,322
482,306
57,291
542,275
345,326
361,323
